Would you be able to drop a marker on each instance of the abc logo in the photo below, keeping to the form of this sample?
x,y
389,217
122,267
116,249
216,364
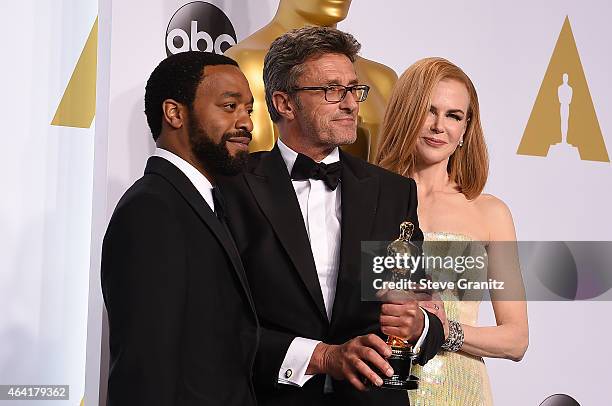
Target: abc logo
x,y
199,26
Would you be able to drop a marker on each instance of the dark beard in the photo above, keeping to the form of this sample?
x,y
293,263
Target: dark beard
x,y
215,158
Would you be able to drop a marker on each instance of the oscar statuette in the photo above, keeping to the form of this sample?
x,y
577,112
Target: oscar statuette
x,y
402,352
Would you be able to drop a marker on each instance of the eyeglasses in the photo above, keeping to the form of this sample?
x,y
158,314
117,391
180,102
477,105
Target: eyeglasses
x,y
337,93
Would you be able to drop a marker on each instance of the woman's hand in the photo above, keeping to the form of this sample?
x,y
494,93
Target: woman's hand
x,y
436,306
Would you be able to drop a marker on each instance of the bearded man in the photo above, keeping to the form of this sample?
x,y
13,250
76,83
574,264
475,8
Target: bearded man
x,y
183,328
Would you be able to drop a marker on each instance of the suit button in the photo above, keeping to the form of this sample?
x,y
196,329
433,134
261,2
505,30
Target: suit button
x,y
288,373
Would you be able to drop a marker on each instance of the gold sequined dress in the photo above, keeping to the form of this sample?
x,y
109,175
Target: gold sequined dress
x,y
452,378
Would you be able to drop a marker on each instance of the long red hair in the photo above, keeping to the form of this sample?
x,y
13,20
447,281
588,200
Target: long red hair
x,y
406,113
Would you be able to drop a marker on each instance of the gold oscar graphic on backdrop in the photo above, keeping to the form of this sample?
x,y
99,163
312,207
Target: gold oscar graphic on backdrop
x,y
78,105
563,122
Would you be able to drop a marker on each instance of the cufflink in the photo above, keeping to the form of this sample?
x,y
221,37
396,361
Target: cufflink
x,y
288,373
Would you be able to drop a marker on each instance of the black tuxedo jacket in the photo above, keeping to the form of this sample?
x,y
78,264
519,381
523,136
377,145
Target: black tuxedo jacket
x,y
269,231
183,329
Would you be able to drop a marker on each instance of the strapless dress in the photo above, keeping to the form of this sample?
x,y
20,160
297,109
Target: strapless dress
x,y
453,378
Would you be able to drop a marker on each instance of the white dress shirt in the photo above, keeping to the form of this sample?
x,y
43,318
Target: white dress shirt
x,y
201,183
321,212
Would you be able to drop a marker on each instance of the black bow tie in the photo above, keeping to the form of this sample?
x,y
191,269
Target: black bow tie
x,y
306,168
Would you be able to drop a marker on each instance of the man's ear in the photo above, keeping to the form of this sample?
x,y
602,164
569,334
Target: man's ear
x,y
284,105
174,113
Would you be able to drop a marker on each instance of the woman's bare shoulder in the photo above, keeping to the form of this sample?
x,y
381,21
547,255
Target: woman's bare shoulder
x,y
491,205
497,216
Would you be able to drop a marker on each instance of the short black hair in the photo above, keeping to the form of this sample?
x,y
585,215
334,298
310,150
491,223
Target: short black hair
x,y
177,77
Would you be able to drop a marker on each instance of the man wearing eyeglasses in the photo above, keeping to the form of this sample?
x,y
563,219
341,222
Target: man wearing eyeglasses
x,y
298,216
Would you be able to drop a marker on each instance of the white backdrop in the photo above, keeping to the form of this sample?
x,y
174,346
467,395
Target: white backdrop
x,y
505,49
46,205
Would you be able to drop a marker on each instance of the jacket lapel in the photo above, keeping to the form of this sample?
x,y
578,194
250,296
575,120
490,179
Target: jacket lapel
x,y
271,186
359,204
184,186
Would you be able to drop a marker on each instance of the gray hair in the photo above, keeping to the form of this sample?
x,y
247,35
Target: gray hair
x,y
283,62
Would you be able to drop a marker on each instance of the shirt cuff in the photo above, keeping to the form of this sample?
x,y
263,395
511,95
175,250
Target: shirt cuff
x,y
294,366
419,342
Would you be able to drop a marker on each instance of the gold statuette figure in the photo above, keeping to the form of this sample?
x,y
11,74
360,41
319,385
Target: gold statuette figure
x,y
402,353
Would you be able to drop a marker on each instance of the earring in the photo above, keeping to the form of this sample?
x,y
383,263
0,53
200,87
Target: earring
x,y
461,142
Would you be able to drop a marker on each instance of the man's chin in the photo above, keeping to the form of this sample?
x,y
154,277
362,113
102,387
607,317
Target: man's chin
x,y
240,156
236,164
346,140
